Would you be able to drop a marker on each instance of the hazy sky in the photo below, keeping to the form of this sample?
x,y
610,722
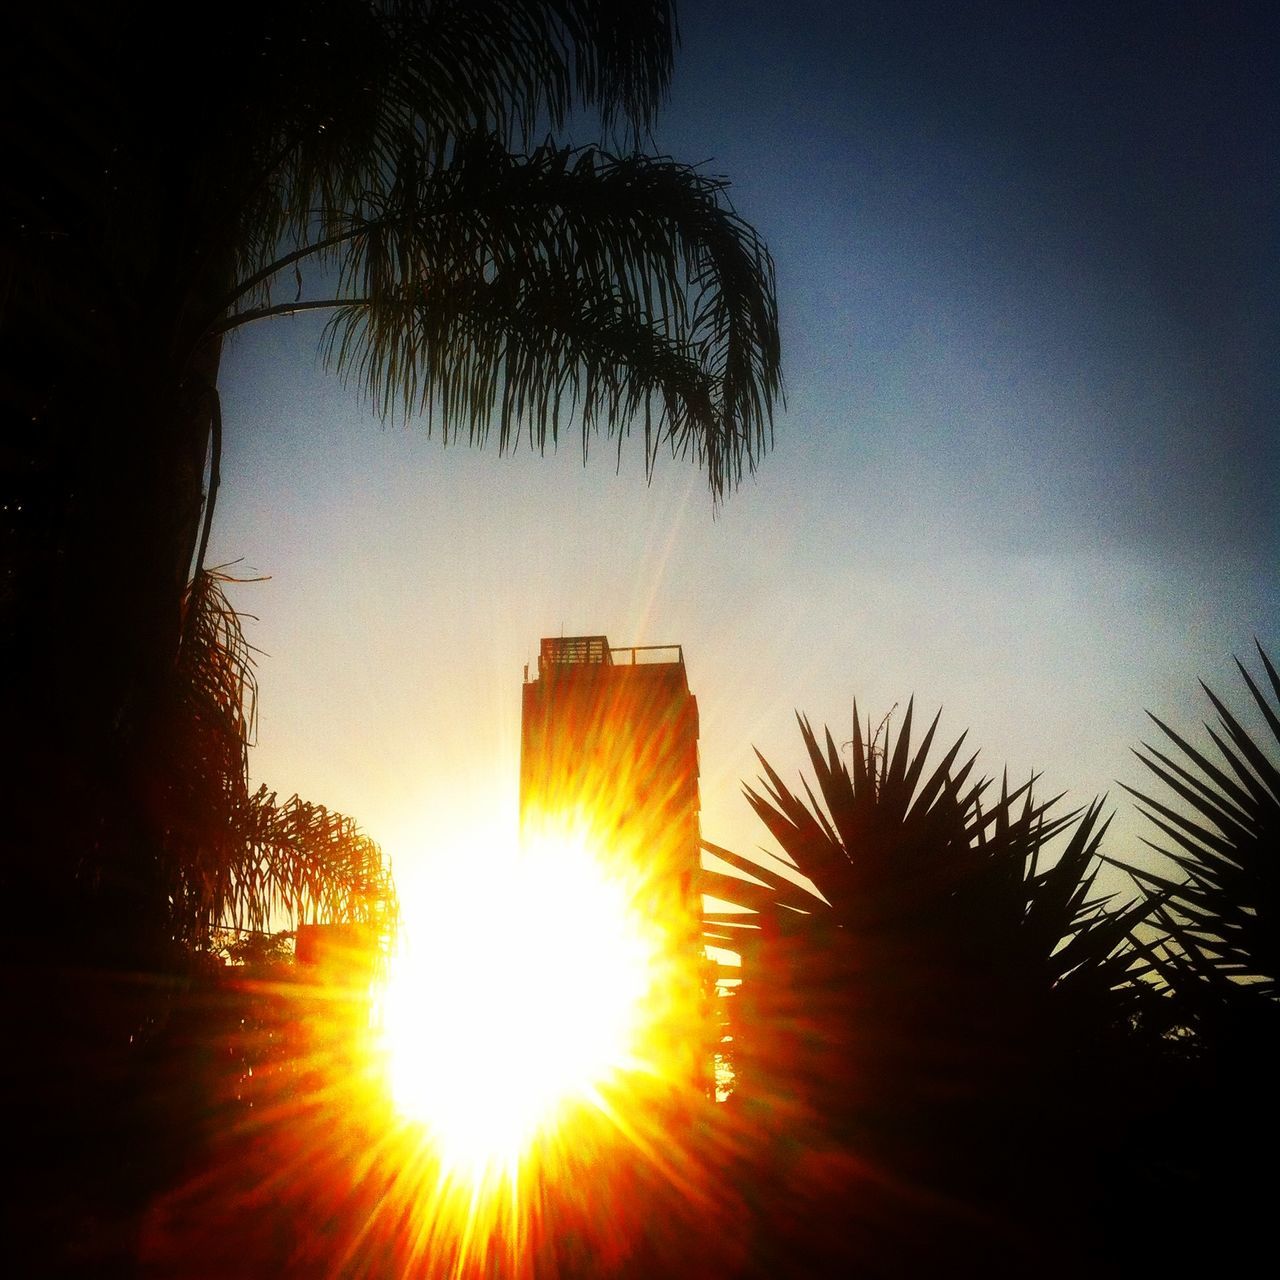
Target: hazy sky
x,y
1028,468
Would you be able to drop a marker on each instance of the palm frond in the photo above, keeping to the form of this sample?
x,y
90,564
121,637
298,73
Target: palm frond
x,y
952,1002
303,863
382,82
1222,825
891,853
205,735
509,294
236,859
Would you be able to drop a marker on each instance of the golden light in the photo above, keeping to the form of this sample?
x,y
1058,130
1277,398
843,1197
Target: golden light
x,y
529,983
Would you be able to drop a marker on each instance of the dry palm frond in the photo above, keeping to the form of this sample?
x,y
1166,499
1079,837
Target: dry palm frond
x,y
304,863
205,736
244,860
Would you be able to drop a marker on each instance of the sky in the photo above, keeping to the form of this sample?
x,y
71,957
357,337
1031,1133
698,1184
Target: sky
x,y
1027,470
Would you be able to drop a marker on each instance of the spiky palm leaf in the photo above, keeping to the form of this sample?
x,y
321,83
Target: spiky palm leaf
x,y
891,849
1217,1031
1222,823
949,1007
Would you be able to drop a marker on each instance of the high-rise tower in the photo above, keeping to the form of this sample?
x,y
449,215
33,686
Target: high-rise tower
x,y
609,742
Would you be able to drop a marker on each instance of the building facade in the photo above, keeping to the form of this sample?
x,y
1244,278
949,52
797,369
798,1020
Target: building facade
x,y
609,744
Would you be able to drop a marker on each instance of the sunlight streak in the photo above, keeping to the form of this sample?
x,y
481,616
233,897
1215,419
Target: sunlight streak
x,y
522,987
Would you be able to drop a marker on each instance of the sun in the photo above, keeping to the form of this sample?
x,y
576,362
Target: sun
x,y
524,987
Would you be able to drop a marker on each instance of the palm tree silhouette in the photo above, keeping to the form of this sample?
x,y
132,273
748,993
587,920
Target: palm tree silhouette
x,y
392,166
237,858
1216,1033
944,1020
1220,913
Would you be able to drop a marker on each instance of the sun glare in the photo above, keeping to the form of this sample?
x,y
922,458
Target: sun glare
x,y
522,989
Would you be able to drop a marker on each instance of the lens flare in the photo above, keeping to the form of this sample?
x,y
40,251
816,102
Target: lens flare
x,y
525,987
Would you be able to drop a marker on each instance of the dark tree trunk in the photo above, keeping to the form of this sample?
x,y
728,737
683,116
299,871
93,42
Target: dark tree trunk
x,y
105,400
104,421
105,507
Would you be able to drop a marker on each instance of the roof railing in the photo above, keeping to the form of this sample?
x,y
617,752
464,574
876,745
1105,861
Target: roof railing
x,y
642,653
556,652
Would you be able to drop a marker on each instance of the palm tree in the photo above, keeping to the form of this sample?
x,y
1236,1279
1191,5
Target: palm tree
x,y
377,163
1215,899
242,860
1222,917
946,1008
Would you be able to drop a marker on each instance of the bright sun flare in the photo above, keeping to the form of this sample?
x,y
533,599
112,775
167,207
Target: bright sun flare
x,y
521,988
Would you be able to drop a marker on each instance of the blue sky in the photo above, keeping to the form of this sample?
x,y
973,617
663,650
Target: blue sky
x,y
1028,467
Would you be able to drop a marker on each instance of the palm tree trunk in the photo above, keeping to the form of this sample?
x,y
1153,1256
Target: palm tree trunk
x,y
105,498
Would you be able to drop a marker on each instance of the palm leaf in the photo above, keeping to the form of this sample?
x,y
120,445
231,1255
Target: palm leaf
x,y
236,859
958,949
1222,918
508,294
303,863
929,856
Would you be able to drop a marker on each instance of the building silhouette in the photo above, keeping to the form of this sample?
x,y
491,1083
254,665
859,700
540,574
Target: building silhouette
x,y
609,750
609,743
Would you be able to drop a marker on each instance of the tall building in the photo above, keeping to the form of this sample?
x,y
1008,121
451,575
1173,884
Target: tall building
x,y
609,742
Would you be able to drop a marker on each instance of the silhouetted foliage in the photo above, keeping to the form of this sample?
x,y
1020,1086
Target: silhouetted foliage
x,y
1217,1028
1222,825
945,1014
396,168
233,857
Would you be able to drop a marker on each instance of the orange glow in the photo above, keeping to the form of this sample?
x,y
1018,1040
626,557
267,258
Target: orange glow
x,y
527,1102
531,983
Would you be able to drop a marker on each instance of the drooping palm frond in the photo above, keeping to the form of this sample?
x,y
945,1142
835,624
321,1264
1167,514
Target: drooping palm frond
x,y
156,208
387,82
232,858
377,148
497,285
205,733
516,293
302,863
1222,825
282,139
